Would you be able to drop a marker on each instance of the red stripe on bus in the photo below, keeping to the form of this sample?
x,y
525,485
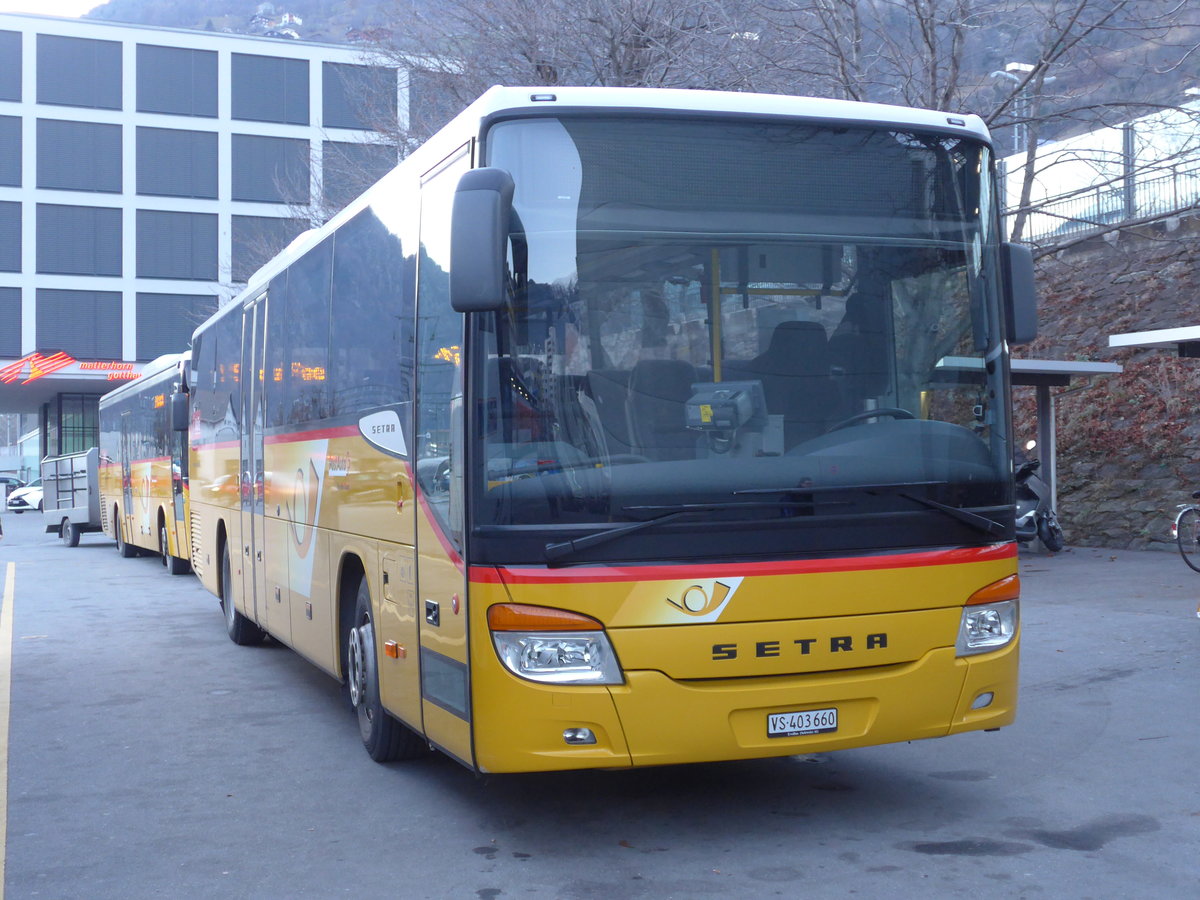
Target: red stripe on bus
x,y
660,572
317,434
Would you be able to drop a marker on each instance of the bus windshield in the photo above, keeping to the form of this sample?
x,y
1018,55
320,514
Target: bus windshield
x,y
745,337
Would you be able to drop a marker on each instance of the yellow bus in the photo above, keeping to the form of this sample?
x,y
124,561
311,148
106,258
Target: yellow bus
x,y
622,427
144,464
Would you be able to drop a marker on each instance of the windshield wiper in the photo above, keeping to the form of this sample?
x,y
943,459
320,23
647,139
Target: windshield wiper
x,y
565,548
976,521
900,489
667,514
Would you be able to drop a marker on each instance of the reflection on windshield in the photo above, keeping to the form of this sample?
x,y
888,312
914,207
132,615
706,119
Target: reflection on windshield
x,y
657,351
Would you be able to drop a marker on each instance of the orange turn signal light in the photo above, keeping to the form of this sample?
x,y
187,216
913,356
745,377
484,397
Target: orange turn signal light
x,y
520,617
1005,589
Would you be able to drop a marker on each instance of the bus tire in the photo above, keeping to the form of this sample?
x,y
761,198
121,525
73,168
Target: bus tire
x,y
68,532
241,630
126,550
384,737
173,564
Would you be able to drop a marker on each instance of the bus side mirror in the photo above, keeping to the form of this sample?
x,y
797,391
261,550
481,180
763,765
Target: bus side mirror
x,y
179,411
1020,295
479,234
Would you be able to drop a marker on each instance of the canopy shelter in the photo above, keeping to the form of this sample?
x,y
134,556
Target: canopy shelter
x,y
1186,341
1043,374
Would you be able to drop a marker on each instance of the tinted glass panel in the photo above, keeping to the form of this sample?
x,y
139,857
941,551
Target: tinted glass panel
x,y
349,169
78,72
371,339
305,309
172,163
258,238
270,89
217,397
86,324
78,156
820,314
176,245
10,151
78,240
175,80
165,322
10,238
10,315
357,96
10,65
270,169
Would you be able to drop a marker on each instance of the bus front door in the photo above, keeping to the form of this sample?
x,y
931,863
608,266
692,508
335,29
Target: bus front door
x,y
253,475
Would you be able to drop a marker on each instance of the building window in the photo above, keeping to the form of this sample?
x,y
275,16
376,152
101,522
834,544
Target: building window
x,y
270,89
349,169
85,324
176,245
70,424
257,238
10,65
78,72
78,240
78,156
173,163
357,96
177,81
10,241
270,169
10,315
10,151
165,322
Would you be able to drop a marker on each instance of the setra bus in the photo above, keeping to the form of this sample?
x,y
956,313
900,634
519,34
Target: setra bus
x,y
619,427
143,466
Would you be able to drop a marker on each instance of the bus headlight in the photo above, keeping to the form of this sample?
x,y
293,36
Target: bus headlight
x,y
986,627
553,646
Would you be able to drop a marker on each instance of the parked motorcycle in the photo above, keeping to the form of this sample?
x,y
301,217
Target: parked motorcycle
x,y
1035,516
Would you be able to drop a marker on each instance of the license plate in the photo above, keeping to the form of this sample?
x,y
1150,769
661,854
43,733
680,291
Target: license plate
x,y
809,721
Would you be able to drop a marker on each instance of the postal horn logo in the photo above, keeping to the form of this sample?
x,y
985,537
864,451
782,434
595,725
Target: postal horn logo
x,y
303,525
706,600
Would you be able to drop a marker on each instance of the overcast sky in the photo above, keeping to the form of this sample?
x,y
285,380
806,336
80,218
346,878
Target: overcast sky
x,y
72,8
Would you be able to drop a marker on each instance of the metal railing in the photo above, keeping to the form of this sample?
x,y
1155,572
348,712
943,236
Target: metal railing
x,y
1095,208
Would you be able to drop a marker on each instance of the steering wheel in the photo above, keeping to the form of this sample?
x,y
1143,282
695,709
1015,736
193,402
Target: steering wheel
x,y
893,412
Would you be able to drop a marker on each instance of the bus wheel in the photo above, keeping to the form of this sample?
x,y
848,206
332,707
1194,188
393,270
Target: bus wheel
x,y
123,547
173,564
69,533
241,630
385,738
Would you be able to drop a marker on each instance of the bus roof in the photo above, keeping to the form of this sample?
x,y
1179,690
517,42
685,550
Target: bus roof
x,y
153,372
498,100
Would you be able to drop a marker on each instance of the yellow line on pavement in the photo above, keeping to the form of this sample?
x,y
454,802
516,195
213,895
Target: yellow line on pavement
x,y
6,630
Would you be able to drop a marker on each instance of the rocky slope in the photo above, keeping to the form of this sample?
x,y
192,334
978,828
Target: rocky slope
x,y
1129,445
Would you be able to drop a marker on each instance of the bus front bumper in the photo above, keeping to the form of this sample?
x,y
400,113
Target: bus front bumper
x,y
654,720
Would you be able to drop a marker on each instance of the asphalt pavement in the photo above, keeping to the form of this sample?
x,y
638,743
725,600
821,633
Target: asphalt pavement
x,y
148,756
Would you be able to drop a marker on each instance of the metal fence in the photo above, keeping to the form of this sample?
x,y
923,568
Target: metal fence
x,y
1169,190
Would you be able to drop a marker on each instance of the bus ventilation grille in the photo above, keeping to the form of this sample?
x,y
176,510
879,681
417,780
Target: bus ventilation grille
x,y
197,567
104,519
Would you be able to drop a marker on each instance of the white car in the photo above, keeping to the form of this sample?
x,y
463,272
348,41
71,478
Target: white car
x,y
28,497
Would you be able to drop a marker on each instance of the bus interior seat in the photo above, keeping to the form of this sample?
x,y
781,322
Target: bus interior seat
x,y
609,389
795,374
658,393
858,354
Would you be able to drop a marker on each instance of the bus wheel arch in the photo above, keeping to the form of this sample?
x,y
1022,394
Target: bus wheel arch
x,y
384,737
173,564
241,630
351,572
127,550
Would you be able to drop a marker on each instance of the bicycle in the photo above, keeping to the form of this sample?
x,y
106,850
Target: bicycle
x,y
1186,531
